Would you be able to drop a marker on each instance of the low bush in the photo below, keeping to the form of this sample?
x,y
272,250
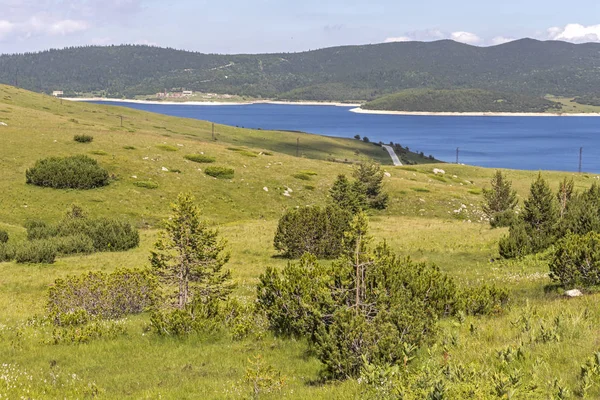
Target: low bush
x,y
370,306
99,153
129,147
35,252
7,252
86,333
220,172
3,236
76,300
146,184
74,244
576,260
83,138
302,176
315,230
200,158
166,147
106,234
76,172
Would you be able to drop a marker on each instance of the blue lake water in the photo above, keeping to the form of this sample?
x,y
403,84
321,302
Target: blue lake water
x,y
550,143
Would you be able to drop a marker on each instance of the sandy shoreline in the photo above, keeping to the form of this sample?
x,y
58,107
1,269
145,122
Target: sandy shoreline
x,y
213,103
472,114
356,108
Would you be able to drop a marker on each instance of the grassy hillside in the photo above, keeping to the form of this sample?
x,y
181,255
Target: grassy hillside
x,y
461,100
422,222
348,73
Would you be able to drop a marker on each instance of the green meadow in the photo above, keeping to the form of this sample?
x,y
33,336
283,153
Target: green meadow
x,y
432,218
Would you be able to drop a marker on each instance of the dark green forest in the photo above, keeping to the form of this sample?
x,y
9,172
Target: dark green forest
x,y
461,100
346,73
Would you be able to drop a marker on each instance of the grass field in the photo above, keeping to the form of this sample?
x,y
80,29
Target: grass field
x,y
432,218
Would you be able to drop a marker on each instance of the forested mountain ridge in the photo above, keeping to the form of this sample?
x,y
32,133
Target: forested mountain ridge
x,y
339,73
461,100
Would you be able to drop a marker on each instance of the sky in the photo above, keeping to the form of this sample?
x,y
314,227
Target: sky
x,y
261,26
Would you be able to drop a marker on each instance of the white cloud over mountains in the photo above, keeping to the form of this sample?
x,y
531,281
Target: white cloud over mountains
x,y
575,33
434,34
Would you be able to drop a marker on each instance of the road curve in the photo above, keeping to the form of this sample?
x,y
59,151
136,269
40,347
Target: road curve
x,y
393,154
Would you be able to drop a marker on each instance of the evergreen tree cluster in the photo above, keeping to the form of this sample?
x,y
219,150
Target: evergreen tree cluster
x,y
568,222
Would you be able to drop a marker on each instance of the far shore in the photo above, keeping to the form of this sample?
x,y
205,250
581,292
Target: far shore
x,y
213,103
472,114
356,109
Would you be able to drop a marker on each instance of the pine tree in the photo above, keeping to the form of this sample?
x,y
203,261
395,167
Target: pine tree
x,y
500,201
347,195
370,182
188,257
540,215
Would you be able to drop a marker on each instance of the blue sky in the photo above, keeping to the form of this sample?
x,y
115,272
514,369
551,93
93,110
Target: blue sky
x,y
237,26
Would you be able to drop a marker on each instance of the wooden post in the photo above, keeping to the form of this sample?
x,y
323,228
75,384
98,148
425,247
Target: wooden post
x,y
121,120
297,147
213,131
457,155
580,157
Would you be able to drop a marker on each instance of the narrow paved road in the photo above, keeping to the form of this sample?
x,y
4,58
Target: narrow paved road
x,y
393,154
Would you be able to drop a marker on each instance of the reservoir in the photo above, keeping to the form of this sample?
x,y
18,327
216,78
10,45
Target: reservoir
x,y
532,143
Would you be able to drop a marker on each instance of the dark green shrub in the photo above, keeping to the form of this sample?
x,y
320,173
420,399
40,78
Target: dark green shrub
x,y
146,184
40,230
576,260
314,230
3,236
220,172
36,252
76,172
302,176
7,252
129,147
83,138
200,158
106,234
483,300
76,300
74,244
367,307
99,153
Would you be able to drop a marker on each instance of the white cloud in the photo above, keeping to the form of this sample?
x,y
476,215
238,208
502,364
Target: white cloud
x,y
501,40
398,39
6,28
575,33
466,37
419,36
41,25
66,27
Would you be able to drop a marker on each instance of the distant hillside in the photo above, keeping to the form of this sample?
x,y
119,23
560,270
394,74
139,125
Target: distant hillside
x,y
339,73
461,100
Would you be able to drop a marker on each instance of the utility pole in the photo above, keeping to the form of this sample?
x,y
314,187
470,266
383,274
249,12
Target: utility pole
x,y
121,120
580,157
297,147
457,155
213,131
17,77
